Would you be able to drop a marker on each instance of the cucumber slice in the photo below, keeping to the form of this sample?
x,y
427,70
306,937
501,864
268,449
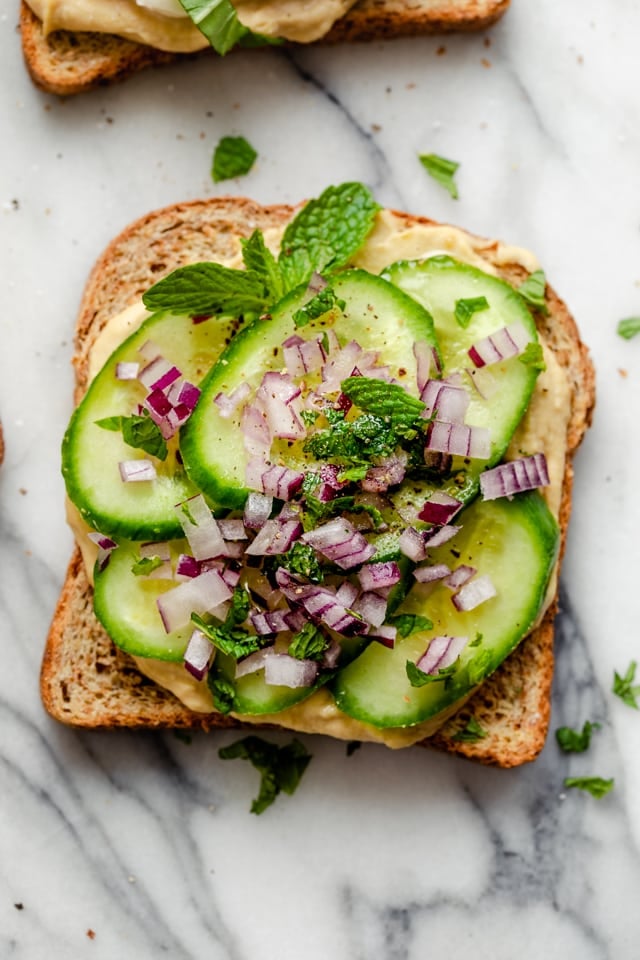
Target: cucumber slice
x,y
126,607
516,543
377,315
252,696
90,454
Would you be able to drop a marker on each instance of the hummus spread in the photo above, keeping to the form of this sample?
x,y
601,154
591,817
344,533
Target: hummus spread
x,y
544,427
165,25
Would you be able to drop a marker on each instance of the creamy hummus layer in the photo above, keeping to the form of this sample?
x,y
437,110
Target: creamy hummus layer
x,y
544,427
164,24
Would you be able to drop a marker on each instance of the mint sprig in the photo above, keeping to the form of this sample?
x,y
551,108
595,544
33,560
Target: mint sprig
x,y
208,288
596,786
281,768
576,741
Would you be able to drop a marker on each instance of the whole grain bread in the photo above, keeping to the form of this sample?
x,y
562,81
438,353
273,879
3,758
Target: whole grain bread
x,y
66,63
86,681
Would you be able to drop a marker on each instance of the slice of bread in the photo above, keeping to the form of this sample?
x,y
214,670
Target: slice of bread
x,y
66,63
86,681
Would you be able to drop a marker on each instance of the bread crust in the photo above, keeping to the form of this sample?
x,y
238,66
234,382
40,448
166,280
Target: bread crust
x,y
67,63
86,681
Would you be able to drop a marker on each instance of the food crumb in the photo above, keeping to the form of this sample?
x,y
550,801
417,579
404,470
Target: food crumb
x,y
91,934
376,127
623,373
440,52
485,63
131,879
19,906
487,41
411,86
23,491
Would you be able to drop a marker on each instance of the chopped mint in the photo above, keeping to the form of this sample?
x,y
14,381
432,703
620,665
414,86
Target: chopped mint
x,y
309,417
389,401
470,733
478,667
532,356
623,686
629,327
309,644
231,640
146,565
442,170
281,768
353,442
317,307
533,290
576,741
353,474
408,623
465,309
233,157
238,608
418,678
596,786
223,692
218,21
138,431
327,232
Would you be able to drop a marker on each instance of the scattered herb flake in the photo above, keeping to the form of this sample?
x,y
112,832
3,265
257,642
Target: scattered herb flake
x,y
471,733
281,768
596,786
418,678
317,307
408,623
623,686
223,692
465,309
441,170
576,741
233,157
309,644
533,356
138,431
629,327
533,290
146,565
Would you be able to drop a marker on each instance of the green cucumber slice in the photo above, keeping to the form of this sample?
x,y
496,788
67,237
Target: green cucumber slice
x,y
377,315
515,543
126,607
90,454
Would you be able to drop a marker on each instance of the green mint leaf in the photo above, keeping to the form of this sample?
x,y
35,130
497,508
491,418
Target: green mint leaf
x,y
317,307
223,692
465,309
353,442
301,559
259,260
478,667
629,327
232,157
387,400
409,623
442,170
309,644
281,768
596,786
238,608
575,741
533,290
470,733
207,288
418,678
218,21
309,417
533,356
327,232
353,474
146,565
623,686
234,642
333,415
477,640
138,431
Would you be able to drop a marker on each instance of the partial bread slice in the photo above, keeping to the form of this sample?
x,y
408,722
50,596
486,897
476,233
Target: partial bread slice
x,y
66,63
86,681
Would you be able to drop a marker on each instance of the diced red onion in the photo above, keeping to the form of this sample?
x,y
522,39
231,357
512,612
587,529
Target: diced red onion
x,y
331,655
371,607
439,508
166,379
429,574
281,482
255,430
157,403
253,663
105,546
339,367
187,567
227,404
473,593
387,474
274,537
275,395
386,635
200,528
281,670
149,350
127,371
422,351
460,576
341,543
266,622
346,593
200,595
155,371
411,543
136,471
257,510
459,439
441,653
231,577
232,528
329,485
435,538
515,476
375,575
506,342
450,402
198,655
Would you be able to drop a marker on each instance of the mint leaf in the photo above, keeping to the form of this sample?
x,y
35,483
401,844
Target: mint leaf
x,y
238,608
223,692
146,565
259,260
596,786
623,686
353,441
470,733
465,309
442,170
353,474
204,288
327,232
574,741
418,678
300,559
138,431
389,401
532,356
218,21
281,768
533,290
233,641
309,644
232,157
408,623
317,307
629,327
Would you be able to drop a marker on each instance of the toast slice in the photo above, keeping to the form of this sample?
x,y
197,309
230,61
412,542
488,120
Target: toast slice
x,y
86,681
65,63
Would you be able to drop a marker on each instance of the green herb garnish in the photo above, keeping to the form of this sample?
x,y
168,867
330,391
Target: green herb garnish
x,y
223,692
309,644
470,733
354,442
533,290
301,559
442,170
317,307
146,565
281,768
218,21
208,288
138,431
465,309
623,686
575,741
259,261
231,640
596,786
533,356
233,157
418,678
629,327
389,401
408,623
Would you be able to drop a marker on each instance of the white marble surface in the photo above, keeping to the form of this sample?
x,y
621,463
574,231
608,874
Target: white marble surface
x,y
147,841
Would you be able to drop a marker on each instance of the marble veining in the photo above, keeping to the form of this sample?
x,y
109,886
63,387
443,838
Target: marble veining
x,y
141,844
